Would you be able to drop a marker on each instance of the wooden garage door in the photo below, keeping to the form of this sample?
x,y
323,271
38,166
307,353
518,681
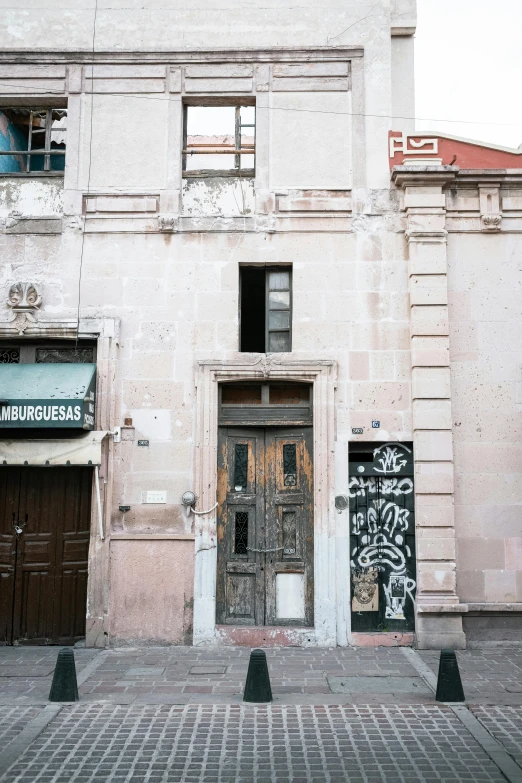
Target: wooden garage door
x,y
44,544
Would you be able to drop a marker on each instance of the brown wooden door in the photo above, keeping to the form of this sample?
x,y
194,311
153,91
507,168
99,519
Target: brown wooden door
x,y
44,600
265,526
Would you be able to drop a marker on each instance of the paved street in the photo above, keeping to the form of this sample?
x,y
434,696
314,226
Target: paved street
x,y
176,714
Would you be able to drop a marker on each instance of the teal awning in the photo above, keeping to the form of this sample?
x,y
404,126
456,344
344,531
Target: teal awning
x,y
47,396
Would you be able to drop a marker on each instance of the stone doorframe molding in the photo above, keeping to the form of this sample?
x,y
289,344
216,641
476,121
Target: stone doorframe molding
x,y
106,333
322,374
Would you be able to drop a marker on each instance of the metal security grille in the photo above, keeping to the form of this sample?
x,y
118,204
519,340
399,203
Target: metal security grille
x,y
382,541
9,356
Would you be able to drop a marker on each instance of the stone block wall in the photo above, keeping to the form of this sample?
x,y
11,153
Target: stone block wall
x,y
486,354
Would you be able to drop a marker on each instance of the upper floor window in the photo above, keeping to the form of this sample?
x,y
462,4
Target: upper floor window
x,y
32,140
265,309
219,141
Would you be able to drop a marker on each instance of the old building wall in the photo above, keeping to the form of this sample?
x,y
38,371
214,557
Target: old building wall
x,y
486,352
133,244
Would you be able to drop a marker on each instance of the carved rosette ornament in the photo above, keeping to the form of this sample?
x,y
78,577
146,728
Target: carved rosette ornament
x,y
24,300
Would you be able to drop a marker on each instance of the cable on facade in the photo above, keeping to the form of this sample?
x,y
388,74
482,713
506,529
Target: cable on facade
x,y
165,97
88,172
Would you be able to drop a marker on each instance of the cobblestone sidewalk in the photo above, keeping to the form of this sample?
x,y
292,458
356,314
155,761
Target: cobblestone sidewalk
x,y
211,744
169,715
185,675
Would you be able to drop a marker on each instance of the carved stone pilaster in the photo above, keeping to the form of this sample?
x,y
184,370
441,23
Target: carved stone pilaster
x,y
490,214
438,610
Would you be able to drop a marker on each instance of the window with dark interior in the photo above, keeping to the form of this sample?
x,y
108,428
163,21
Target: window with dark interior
x,y
265,309
32,140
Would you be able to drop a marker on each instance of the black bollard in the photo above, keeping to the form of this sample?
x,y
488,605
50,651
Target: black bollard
x,y
64,687
257,686
449,684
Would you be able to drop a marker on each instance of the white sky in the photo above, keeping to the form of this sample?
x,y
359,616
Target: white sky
x,y
468,66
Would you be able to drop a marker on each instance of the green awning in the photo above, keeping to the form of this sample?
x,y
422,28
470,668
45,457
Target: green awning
x,y
47,396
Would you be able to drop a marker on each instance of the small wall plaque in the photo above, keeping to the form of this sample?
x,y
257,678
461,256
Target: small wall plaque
x,y
143,443
154,496
376,424
357,430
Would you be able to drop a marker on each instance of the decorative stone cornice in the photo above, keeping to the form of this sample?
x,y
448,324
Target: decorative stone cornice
x,y
404,176
286,54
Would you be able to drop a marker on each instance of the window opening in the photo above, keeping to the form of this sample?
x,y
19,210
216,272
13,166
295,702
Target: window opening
x,y
241,533
289,394
290,464
219,141
32,140
9,355
241,394
266,306
64,356
50,353
241,467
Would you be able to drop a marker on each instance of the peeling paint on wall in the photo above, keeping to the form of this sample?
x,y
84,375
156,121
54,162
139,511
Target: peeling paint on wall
x,y
221,196
31,197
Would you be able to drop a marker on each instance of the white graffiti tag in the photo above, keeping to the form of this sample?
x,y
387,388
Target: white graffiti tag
x,y
379,552
396,486
391,458
388,486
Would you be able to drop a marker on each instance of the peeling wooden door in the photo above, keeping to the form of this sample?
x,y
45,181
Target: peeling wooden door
x,y
265,526
44,529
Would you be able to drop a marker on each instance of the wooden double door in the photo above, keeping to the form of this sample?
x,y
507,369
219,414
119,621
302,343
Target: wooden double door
x,y
44,542
265,526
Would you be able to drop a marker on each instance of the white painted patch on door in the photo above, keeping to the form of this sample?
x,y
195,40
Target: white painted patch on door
x,y
290,600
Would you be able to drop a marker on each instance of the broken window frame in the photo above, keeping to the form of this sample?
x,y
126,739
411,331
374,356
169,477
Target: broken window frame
x,y
47,152
217,149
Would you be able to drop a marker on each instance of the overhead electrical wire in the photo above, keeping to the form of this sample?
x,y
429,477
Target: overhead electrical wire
x,y
166,97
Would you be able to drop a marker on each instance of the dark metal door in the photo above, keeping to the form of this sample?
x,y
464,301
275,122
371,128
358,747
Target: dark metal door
x,y
265,526
45,528
382,539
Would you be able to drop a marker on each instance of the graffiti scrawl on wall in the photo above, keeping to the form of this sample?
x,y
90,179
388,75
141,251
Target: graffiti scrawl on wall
x,y
382,538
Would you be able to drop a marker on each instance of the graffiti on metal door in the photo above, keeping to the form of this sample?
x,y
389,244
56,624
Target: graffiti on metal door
x,y
382,538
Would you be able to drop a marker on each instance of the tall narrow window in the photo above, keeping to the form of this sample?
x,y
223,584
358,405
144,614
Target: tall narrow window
x,y
266,309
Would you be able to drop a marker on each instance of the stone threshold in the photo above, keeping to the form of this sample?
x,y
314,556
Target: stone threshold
x,y
265,636
152,537
383,639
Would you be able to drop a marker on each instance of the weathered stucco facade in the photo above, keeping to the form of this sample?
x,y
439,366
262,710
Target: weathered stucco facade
x,y
405,303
